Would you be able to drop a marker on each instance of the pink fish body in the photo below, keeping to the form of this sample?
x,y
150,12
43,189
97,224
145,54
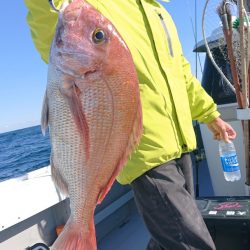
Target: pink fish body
x,y
92,106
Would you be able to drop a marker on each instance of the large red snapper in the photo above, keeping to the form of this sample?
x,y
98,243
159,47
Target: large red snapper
x,y
92,106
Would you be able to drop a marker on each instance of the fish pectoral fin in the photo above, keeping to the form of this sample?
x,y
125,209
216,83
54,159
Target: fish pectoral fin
x,y
45,114
58,180
72,94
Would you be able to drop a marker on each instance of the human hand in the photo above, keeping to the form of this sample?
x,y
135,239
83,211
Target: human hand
x,y
221,130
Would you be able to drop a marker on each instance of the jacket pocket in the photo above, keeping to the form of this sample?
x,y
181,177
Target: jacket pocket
x,y
167,34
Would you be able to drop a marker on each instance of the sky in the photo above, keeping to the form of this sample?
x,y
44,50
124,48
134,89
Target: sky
x,y
23,74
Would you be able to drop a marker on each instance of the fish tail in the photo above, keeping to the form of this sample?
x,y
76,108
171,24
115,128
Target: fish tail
x,y
73,237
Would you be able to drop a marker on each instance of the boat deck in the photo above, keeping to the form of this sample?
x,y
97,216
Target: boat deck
x,y
131,235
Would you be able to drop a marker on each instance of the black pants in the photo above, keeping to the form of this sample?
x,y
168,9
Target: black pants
x,y
164,198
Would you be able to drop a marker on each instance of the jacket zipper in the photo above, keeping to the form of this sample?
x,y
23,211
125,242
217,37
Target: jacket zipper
x,y
184,145
167,35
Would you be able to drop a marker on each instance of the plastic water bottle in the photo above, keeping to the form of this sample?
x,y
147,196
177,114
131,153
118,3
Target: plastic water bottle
x,y
229,161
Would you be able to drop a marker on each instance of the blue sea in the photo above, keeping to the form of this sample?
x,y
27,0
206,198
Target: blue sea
x,y
22,151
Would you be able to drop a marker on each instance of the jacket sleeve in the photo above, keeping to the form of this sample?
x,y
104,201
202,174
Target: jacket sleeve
x,y
201,104
42,21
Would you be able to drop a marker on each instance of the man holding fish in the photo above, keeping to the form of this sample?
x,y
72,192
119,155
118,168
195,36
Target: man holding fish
x,y
99,97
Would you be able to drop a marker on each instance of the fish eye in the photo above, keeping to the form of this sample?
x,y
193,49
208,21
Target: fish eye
x,y
98,36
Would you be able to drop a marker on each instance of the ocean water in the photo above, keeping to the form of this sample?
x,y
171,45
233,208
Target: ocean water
x,y
22,151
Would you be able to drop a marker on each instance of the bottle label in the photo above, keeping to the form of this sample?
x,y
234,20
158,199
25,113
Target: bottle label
x,y
230,163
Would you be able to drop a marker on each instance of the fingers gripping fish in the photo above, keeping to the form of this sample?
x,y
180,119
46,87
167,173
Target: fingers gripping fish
x,y
92,106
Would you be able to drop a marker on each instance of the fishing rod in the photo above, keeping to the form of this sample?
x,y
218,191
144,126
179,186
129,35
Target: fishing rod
x,y
209,53
226,19
194,31
244,84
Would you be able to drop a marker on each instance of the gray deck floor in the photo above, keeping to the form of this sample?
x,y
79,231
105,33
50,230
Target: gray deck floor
x,y
131,236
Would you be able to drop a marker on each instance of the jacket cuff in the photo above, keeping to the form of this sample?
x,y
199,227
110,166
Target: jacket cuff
x,y
211,117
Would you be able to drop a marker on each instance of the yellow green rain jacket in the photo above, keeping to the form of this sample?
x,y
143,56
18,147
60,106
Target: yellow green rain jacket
x,y
171,96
